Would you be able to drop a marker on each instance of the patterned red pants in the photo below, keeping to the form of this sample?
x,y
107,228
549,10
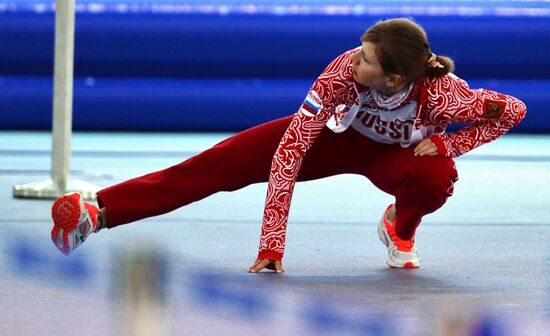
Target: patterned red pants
x,y
420,185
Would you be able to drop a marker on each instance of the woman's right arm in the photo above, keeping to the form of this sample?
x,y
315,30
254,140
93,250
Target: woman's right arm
x,y
304,128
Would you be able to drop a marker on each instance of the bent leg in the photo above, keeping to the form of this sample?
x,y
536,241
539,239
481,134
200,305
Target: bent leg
x,y
420,184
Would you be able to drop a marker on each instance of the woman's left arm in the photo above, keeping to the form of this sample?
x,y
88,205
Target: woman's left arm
x,y
489,114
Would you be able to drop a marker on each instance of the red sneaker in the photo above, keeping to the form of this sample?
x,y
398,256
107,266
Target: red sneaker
x,y
401,253
73,221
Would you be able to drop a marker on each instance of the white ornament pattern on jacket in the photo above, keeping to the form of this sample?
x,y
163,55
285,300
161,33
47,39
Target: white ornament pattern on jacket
x,y
451,101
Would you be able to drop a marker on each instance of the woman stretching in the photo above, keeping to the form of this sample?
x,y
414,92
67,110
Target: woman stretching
x,y
379,110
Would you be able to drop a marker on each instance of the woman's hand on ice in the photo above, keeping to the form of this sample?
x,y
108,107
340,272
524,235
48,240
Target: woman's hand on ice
x,y
260,264
425,147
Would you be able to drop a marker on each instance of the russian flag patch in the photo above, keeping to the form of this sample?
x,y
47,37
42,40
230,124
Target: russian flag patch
x,y
310,106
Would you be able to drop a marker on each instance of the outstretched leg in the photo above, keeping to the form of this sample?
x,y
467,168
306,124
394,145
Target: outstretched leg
x,y
236,162
232,164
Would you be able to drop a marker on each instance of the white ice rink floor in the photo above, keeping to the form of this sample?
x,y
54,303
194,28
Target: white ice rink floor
x,y
485,256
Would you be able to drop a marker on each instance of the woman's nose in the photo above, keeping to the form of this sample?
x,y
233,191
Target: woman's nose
x,y
355,58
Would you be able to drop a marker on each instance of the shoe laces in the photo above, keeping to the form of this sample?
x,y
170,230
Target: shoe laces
x,y
401,244
92,212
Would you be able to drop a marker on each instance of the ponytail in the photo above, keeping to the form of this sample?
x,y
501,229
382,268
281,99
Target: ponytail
x,y
445,63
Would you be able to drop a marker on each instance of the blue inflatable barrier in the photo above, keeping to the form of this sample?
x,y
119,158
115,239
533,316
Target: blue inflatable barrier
x,y
214,46
198,105
182,65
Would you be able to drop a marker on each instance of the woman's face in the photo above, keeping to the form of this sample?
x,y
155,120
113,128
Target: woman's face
x,y
366,68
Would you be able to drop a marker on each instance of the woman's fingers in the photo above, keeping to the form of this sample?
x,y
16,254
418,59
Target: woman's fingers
x,y
254,264
425,147
279,266
260,264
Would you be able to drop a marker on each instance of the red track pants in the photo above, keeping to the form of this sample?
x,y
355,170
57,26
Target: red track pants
x,y
420,185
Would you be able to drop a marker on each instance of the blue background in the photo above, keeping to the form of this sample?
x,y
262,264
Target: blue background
x,y
228,65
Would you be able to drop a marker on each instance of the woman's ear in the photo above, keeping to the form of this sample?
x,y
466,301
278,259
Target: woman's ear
x,y
394,80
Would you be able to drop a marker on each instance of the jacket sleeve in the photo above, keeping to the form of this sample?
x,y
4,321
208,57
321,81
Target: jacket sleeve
x,y
488,114
304,128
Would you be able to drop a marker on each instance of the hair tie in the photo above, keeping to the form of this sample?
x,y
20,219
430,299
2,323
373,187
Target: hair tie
x,y
433,63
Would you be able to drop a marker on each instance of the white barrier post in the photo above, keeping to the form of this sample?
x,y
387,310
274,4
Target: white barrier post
x,y
60,182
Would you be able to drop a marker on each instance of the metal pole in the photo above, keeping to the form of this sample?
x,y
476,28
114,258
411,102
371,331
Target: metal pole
x,y
63,92
60,182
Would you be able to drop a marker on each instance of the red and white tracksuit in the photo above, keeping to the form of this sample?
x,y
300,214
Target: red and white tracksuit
x,y
338,129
